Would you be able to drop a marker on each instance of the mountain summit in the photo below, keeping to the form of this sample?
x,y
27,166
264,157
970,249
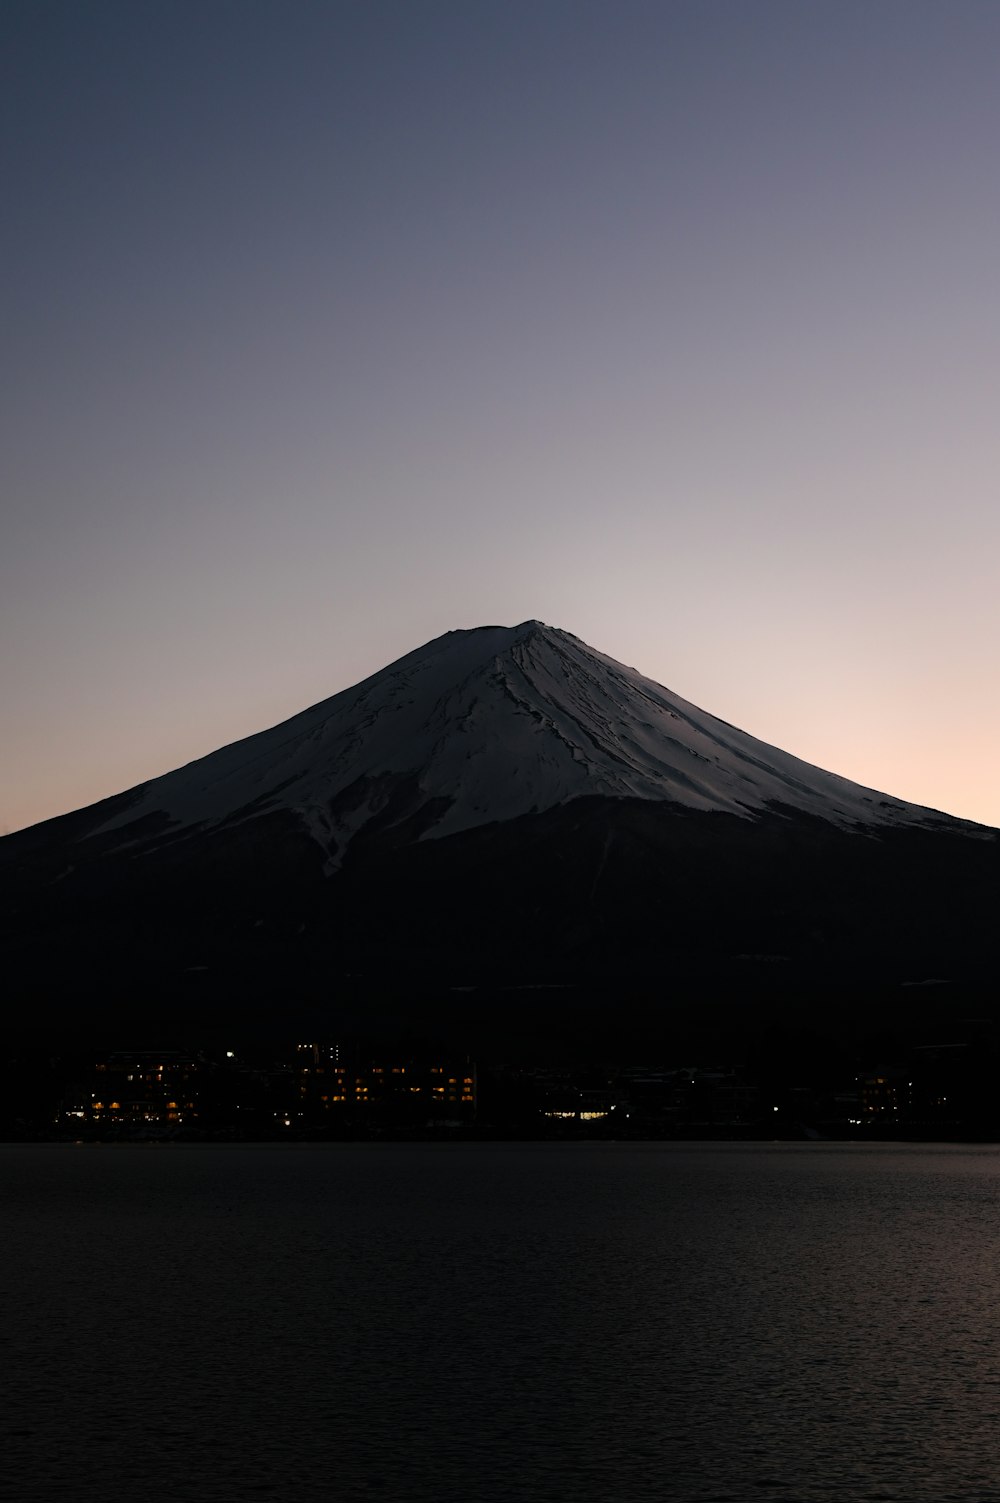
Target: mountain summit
x,y
491,725
505,804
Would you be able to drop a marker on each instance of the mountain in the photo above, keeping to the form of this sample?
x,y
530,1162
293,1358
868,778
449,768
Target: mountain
x,y
491,725
502,804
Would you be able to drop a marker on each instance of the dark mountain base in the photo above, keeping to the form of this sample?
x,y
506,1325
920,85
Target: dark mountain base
x,y
610,918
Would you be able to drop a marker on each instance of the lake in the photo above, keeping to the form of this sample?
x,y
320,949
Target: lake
x,y
586,1323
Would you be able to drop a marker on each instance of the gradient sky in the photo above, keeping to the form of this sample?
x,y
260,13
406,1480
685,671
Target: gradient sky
x,y
329,327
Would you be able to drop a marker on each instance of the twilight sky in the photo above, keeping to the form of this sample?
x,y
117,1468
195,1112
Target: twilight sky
x,y
331,325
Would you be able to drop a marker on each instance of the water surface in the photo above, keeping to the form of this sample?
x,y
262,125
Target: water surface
x,y
493,1322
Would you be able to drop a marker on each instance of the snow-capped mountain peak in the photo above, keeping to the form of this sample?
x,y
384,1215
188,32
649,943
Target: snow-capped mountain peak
x,y
491,724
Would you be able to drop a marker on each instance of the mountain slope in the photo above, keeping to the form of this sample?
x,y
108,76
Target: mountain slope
x,y
493,724
500,803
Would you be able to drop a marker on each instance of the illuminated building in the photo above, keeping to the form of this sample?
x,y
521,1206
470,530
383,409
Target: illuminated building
x,y
328,1086
142,1089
